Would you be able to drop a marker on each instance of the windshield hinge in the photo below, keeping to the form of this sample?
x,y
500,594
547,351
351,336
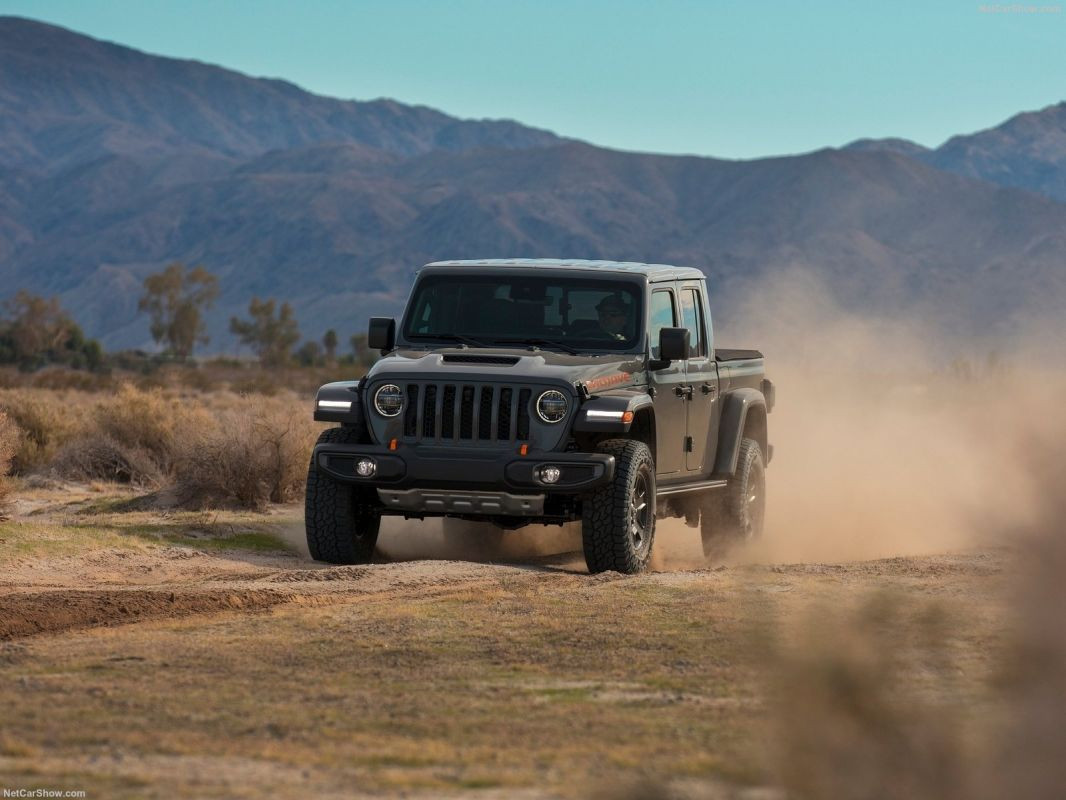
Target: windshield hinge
x,y
583,390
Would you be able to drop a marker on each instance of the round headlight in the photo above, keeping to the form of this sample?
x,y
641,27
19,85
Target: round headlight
x,y
388,400
551,406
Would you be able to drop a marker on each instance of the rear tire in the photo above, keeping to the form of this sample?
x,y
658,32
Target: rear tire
x,y
618,520
341,520
735,515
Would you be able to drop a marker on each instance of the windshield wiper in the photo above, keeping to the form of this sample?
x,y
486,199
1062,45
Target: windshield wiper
x,y
451,337
547,342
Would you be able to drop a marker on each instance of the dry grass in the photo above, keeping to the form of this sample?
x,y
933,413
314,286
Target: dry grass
x,y
203,450
438,680
217,375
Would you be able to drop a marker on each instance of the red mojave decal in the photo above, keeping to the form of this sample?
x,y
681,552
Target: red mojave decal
x,y
607,380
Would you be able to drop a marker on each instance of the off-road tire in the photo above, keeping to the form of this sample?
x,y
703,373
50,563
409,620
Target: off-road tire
x,y
735,515
616,530
341,520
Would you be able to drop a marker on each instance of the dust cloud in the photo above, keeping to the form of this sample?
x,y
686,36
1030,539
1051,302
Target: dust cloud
x,y
893,436
460,540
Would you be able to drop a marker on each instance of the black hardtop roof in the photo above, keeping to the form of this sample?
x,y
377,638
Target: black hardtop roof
x,y
654,272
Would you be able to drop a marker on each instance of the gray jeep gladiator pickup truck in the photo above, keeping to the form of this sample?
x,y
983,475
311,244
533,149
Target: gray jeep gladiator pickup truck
x,y
546,391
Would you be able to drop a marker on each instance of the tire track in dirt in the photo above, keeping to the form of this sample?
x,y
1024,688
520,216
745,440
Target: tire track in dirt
x,y
51,611
27,614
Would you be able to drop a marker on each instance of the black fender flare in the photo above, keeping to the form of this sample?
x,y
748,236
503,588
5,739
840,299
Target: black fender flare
x,y
611,412
331,399
736,407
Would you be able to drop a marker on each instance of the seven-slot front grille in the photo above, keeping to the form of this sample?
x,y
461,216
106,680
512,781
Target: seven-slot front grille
x,y
470,412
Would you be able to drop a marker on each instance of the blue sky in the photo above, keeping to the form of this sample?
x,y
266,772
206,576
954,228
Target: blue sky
x,y
727,79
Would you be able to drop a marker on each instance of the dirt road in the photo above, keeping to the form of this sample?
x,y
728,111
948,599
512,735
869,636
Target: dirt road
x,y
202,655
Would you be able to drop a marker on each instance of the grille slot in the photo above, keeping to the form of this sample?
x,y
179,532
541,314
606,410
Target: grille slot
x,y
430,413
523,414
503,416
410,417
447,418
466,414
485,413
456,412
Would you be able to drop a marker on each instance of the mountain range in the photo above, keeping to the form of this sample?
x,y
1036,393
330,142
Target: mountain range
x,y
114,163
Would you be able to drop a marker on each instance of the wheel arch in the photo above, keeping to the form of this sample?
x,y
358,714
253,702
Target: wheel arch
x,y
743,417
601,418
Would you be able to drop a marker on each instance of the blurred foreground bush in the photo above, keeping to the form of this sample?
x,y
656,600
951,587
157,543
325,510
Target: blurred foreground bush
x,y
9,439
872,703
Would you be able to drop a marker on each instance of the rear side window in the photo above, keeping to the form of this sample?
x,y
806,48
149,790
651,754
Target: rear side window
x,y
692,318
662,316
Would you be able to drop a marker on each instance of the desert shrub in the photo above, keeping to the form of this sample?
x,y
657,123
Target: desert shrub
x,y
148,421
9,439
247,459
261,383
46,419
98,457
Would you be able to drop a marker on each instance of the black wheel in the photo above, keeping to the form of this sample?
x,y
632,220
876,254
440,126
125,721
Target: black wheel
x,y
618,521
341,520
735,514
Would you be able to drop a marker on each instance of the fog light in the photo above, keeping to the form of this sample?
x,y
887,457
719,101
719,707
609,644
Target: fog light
x,y
365,467
550,474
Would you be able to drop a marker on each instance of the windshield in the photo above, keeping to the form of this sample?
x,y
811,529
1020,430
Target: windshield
x,y
493,310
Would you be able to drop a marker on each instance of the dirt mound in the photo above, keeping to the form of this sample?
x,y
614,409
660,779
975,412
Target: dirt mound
x,y
26,614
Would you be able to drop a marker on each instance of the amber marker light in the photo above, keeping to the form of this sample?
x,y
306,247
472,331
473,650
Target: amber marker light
x,y
392,444
627,417
523,450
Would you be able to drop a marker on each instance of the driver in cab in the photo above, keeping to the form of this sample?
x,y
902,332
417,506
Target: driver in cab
x,y
613,317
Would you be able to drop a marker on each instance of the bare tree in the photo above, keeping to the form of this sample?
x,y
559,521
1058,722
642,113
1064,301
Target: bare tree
x,y
329,344
176,300
271,332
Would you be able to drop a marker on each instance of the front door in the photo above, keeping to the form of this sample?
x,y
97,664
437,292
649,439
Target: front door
x,y
669,385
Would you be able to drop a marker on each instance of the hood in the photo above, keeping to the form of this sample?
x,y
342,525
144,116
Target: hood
x,y
513,365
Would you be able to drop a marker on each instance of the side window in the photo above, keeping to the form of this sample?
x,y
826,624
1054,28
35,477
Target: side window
x,y
662,316
691,315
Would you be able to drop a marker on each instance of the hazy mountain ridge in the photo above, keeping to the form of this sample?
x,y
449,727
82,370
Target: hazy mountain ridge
x,y
67,99
338,225
1028,151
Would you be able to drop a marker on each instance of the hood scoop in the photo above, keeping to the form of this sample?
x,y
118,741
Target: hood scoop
x,y
463,358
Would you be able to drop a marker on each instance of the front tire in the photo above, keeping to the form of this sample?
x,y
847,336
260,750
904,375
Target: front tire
x,y
735,515
341,521
618,520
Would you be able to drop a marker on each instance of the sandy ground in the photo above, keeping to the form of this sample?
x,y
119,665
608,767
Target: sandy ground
x,y
205,655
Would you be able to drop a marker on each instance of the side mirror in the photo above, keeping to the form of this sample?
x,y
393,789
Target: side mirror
x,y
673,344
382,333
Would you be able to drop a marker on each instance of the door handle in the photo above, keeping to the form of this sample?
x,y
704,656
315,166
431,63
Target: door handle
x,y
683,391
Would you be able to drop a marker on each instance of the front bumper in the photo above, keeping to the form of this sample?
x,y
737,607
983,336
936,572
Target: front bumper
x,y
470,469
